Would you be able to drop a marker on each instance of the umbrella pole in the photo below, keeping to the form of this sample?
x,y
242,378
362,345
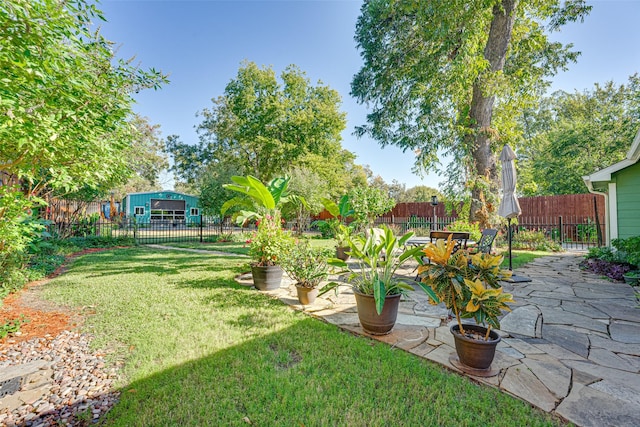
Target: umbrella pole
x,y
510,237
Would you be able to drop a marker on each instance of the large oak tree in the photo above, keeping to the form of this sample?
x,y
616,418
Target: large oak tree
x,y
452,76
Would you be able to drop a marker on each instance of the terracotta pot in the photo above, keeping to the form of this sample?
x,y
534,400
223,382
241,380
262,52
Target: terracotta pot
x,y
307,296
341,252
372,322
475,353
266,278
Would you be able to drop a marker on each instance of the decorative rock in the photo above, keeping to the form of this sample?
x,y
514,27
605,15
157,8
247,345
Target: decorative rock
x,y
57,400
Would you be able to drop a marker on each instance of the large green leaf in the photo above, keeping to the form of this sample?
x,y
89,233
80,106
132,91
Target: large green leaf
x,y
278,189
379,294
331,207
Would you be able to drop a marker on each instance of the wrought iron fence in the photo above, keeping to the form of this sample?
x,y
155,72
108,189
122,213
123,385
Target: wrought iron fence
x,y
152,232
570,232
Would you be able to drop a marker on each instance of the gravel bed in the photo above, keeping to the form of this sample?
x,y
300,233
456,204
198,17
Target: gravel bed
x,y
82,385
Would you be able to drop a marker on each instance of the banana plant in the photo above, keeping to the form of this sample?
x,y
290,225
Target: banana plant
x,y
258,199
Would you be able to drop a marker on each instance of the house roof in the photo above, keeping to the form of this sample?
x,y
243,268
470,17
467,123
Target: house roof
x,y
604,175
160,192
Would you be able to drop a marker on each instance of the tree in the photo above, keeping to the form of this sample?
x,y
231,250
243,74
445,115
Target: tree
x,y
65,109
66,103
368,203
307,184
211,188
453,76
421,193
575,134
262,125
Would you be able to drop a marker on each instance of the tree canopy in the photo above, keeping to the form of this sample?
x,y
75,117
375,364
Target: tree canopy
x,y
453,77
65,101
262,125
574,134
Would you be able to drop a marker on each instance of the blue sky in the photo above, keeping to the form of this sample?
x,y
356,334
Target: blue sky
x,y
201,45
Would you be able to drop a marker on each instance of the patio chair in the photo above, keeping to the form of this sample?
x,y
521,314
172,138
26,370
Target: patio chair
x,y
459,237
486,241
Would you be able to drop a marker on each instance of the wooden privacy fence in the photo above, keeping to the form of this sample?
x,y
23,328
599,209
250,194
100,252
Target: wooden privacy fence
x,y
572,219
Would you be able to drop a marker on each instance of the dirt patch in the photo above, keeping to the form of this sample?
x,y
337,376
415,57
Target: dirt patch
x,y
41,317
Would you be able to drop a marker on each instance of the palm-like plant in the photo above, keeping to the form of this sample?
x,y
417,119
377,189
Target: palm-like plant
x,y
258,199
377,258
263,203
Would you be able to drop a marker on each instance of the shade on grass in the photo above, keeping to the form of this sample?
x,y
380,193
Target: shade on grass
x,y
201,350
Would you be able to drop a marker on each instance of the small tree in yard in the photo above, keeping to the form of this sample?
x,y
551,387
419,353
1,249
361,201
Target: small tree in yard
x,y
368,203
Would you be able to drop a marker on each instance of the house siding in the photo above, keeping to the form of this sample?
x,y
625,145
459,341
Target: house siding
x,y
161,207
628,200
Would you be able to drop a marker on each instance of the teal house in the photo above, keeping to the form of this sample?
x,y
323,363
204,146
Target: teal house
x,y
620,185
162,207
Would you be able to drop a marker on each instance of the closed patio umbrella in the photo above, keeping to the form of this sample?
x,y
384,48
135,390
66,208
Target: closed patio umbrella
x,y
509,206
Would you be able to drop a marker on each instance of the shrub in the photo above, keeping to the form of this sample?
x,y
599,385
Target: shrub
x,y
629,249
534,240
462,225
326,227
612,270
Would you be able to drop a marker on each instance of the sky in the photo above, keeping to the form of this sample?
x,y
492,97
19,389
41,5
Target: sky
x,y
202,44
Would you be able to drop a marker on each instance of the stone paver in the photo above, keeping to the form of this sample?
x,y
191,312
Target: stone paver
x,y
571,345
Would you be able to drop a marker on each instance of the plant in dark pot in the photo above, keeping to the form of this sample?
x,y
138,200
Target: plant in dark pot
x,y
308,267
270,243
468,286
338,228
269,246
632,277
377,288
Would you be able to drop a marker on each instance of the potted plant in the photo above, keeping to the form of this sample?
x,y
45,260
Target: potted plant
x,y
632,277
342,235
340,231
372,276
269,246
468,286
270,243
308,267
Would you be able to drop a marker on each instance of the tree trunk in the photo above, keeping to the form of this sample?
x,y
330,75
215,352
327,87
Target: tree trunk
x,y
495,52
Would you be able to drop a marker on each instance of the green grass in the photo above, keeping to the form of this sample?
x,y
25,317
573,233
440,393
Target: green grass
x,y
201,350
240,248
520,258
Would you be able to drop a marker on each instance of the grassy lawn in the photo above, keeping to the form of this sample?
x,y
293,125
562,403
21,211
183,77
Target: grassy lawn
x,y
520,258
242,248
201,350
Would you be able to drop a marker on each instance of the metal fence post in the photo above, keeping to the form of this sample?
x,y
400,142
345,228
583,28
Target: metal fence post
x,y
200,228
560,233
